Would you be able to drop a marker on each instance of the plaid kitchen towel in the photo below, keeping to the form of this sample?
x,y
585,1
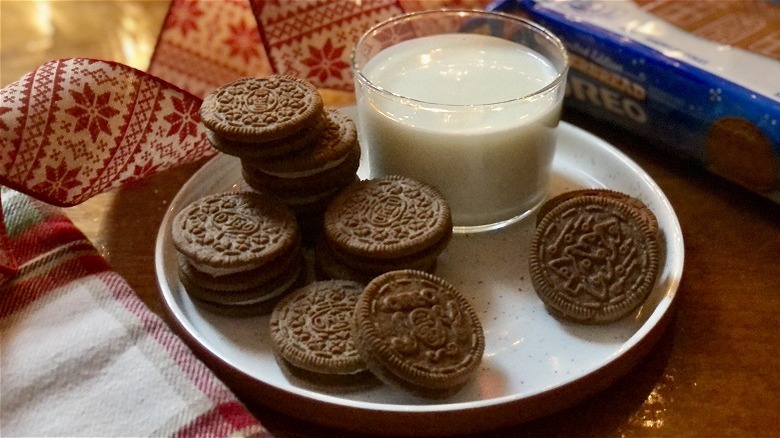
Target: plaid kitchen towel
x,y
81,355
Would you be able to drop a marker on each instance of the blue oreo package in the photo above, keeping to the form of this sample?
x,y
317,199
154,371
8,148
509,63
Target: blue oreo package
x,y
638,65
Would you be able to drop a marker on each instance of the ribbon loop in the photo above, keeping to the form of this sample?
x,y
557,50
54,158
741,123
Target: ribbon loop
x,y
74,128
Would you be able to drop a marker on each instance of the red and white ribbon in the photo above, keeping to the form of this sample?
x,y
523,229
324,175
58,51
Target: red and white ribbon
x,y
74,128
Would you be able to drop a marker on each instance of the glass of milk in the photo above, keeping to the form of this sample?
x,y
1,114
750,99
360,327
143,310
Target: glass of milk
x,y
467,101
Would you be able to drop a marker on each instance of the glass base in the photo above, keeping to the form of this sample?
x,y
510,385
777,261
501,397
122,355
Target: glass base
x,y
470,229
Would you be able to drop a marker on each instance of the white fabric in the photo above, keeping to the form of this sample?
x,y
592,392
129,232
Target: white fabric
x,y
78,363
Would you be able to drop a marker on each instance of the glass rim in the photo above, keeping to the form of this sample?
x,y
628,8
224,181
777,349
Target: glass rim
x,y
549,36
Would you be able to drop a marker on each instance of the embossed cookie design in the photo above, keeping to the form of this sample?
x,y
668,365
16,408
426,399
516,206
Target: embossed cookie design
x,y
415,331
594,259
630,201
312,328
261,109
238,252
289,145
388,217
234,231
386,224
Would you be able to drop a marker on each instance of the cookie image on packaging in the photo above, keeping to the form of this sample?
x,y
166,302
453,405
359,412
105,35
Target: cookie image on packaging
x,y
594,259
739,151
416,332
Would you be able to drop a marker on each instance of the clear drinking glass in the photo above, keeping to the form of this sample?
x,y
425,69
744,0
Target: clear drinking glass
x,y
467,101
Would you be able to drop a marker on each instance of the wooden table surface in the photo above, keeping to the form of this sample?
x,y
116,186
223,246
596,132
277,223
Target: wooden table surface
x,y
714,372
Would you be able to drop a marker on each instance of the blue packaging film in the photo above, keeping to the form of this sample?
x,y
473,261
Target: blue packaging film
x,y
714,104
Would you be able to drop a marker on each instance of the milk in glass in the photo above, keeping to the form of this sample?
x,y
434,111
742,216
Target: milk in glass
x,y
467,124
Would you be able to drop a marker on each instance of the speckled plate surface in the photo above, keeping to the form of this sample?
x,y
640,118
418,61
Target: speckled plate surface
x,y
533,365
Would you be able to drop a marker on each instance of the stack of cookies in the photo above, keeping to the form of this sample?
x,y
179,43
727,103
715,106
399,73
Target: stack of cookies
x,y
288,144
380,225
238,252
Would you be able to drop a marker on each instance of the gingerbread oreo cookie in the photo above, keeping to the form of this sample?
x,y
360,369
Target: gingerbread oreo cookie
x,y
250,292
594,258
386,224
237,251
243,297
327,266
415,331
290,186
389,217
252,110
288,143
336,141
311,328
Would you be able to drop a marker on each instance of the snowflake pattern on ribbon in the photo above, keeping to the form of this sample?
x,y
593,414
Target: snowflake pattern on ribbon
x,y
75,128
205,44
313,40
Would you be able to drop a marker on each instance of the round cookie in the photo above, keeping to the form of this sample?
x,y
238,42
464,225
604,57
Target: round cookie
x,y
390,217
230,232
739,151
327,265
414,330
311,328
252,279
261,109
316,203
593,259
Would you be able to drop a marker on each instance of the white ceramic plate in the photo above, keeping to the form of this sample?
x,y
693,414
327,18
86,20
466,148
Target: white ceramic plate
x,y
533,365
